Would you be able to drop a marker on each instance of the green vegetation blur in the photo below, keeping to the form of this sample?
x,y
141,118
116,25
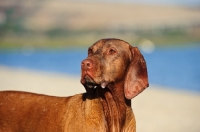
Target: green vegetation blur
x,y
58,24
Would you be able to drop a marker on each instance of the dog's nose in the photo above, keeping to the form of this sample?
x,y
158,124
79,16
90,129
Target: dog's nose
x,y
87,64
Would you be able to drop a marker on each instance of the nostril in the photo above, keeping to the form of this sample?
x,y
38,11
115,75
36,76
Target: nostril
x,y
88,64
82,64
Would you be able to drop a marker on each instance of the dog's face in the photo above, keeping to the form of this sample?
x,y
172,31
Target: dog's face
x,y
111,61
107,62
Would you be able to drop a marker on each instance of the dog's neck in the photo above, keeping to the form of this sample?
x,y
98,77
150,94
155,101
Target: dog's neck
x,y
114,105
113,102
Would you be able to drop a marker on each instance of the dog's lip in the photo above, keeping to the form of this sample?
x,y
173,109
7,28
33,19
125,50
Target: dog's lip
x,y
90,81
88,78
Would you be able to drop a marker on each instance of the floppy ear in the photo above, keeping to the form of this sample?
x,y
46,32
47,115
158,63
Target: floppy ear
x,y
136,79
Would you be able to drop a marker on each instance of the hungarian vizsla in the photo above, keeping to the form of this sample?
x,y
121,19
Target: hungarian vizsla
x,y
113,73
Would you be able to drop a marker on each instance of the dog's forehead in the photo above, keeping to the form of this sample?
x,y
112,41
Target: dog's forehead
x,y
105,43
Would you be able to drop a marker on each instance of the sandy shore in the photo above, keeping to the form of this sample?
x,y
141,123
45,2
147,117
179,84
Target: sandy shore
x,y
157,109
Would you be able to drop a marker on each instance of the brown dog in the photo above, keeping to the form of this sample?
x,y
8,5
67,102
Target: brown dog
x,y
112,75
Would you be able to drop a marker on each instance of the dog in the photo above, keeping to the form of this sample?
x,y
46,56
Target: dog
x,y
113,73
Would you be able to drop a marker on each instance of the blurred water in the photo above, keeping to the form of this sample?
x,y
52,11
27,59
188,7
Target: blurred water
x,y
178,67
62,61
174,67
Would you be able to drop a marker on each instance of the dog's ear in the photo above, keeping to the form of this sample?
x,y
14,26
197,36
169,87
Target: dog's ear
x,y
136,79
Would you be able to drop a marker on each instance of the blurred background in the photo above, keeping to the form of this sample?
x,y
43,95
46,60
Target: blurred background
x,y
41,35
44,39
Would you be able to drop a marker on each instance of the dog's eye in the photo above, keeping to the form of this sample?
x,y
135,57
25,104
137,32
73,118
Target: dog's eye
x,y
112,51
90,52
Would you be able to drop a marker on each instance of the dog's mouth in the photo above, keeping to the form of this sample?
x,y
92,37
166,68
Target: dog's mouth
x,y
90,83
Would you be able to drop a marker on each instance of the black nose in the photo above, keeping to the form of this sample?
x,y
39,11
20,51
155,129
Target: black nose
x,y
87,64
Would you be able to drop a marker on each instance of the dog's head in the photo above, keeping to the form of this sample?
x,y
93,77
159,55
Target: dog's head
x,y
112,60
